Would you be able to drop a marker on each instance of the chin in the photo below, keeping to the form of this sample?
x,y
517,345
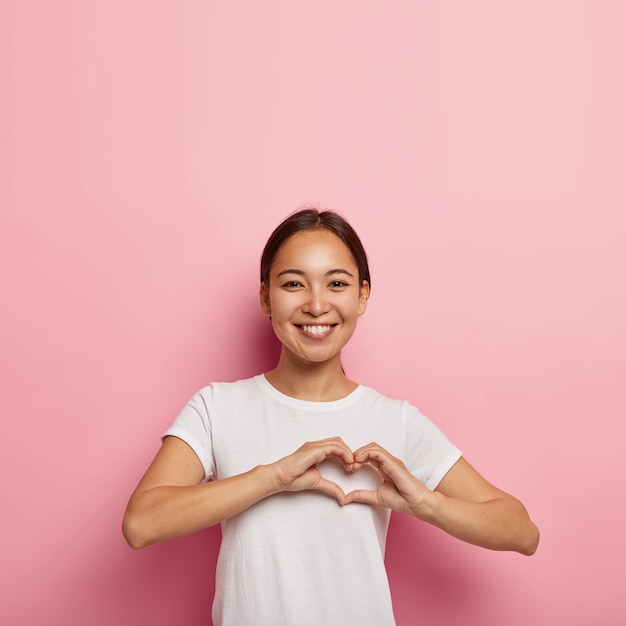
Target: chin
x,y
315,358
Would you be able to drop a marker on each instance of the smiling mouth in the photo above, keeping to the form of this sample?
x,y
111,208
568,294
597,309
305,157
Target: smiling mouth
x,y
317,329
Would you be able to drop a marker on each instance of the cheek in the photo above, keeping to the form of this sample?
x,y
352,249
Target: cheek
x,y
282,307
350,308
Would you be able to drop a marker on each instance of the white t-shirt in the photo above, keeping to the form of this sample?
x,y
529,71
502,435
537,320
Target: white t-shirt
x,y
300,558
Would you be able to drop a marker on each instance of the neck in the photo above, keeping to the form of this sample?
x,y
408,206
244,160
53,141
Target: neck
x,y
316,382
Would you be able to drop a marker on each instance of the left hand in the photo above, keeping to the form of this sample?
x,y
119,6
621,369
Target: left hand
x,y
400,490
464,504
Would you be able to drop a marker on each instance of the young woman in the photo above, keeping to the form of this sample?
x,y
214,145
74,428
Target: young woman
x,y
302,465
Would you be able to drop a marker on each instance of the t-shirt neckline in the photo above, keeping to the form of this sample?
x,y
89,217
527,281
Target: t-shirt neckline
x,y
330,405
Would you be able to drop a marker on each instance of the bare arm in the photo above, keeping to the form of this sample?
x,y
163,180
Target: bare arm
x,y
464,504
170,501
468,507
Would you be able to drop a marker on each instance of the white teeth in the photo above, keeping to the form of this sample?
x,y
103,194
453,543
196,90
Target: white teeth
x,y
316,330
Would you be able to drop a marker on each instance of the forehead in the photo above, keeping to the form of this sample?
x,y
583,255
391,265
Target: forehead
x,y
311,249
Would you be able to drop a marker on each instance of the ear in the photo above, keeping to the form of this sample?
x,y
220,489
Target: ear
x,y
264,297
363,297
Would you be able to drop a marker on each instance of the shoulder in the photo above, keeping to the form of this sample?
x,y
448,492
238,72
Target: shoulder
x,y
229,388
380,400
402,412
214,400
225,394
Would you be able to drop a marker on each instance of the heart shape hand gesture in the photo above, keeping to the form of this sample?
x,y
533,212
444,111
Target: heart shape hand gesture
x,y
397,488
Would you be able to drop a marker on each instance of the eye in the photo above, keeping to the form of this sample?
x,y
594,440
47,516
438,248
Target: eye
x,y
338,284
292,284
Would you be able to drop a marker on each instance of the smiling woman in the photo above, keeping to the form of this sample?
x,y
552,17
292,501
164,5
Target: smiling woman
x,y
302,465
313,297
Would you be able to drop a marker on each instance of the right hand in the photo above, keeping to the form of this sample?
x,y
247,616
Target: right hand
x,y
298,471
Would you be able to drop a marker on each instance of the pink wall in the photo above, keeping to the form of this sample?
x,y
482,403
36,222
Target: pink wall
x,y
148,148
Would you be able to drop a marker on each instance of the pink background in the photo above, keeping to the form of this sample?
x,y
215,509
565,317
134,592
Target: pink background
x,y
148,149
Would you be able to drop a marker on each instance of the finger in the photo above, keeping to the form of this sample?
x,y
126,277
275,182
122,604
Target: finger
x,y
390,468
352,467
364,496
314,452
332,489
334,446
372,450
376,456
362,449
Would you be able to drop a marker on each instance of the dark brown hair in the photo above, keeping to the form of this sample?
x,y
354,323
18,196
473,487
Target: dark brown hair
x,y
310,218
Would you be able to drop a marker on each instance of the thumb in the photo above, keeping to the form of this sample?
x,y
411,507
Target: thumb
x,y
332,489
364,496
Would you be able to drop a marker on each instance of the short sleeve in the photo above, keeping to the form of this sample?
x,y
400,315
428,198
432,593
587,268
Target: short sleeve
x,y
429,455
193,426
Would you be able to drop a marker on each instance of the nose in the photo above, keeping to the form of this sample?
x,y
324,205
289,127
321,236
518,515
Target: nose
x,y
316,304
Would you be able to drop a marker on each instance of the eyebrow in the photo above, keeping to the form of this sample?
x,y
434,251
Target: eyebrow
x,y
339,270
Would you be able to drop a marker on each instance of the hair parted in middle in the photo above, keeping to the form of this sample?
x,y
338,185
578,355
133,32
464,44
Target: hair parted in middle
x,y
310,218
